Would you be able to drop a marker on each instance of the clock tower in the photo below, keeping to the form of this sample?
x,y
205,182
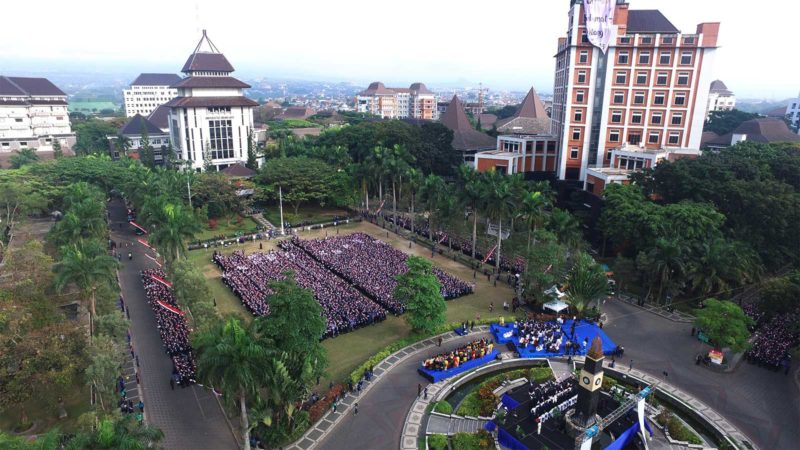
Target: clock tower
x,y
590,381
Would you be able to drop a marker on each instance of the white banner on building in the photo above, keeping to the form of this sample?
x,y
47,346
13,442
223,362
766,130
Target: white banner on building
x,y
599,22
640,413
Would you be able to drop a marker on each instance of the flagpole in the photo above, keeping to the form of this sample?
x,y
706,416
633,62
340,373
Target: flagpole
x,y
280,201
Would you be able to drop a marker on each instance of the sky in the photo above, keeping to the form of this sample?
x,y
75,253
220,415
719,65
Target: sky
x,y
507,44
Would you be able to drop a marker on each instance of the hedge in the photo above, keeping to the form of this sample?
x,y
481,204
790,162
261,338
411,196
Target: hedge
x,y
375,359
677,430
443,407
481,440
437,442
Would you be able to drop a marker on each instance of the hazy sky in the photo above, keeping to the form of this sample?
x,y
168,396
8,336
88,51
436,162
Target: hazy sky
x,y
504,44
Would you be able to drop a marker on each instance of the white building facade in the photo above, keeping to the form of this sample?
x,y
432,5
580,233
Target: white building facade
x,y
33,114
210,119
793,114
415,102
149,91
720,98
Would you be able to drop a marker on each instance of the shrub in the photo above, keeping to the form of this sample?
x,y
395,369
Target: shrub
x,y
481,440
470,405
443,407
540,374
318,409
212,224
677,430
437,442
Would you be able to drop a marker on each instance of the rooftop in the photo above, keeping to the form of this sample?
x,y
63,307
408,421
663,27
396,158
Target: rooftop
x,y
210,82
156,79
649,21
137,124
210,60
530,118
25,86
465,138
718,87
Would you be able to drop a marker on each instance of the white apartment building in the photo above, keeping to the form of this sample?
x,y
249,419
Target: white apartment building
x,y
793,113
210,119
415,102
650,88
33,114
720,98
149,91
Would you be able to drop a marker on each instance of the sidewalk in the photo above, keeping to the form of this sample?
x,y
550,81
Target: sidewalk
x,y
675,315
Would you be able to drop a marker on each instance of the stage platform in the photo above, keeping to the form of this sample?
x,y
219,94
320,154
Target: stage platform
x,y
437,375
583,329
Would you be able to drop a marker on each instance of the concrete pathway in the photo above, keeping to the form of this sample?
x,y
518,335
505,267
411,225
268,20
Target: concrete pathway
x,y
450,425
263,221
675,315
191,418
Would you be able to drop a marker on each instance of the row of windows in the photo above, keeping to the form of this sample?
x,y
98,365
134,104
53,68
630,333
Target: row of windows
x,y
653,137
659,98
664,57
661,78
221,138
646,40
656,117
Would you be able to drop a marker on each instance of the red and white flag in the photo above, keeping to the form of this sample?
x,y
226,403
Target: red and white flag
x,y
170,308
380,207
489,255
161,280
137,226
154,260
143,242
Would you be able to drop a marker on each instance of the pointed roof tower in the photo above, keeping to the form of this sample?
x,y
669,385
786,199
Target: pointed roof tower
x,y
530,118
465,138
209,60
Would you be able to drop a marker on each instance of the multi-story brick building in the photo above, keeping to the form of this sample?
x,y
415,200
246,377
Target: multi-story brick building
x,y
149,91
650,89
33,114
415,102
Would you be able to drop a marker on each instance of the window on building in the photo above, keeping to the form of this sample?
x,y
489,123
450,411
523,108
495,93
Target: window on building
x,y
621,78
644,58
666,40
664,58
683,78
573,153
638,98
622,58
221,139
662,79
619,98
686,58
674,138
641,78
581,76
636,117
655,119
653,137
689,40
647,39
578,115
613,136
625,40
616,116
576,134
680,99
23,143
677,119
634,137
658,98
579,96
583,57
18,120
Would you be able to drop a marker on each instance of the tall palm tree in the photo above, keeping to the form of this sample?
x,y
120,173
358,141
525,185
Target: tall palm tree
x,y
471,192
169,234
586,283
396,163
86,264
232,358
722,264
414,179
432,191
77,192
499,205
376,162
532,211
666,263
566,227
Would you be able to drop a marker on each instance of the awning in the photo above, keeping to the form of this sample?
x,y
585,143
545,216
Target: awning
x,y
556,305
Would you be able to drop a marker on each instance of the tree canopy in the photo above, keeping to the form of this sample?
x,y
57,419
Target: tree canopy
x,y
421,292
301,180
725,324
724,122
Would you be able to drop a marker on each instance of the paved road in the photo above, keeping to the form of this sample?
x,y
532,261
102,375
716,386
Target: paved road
x,y
382,411
190,418
762,404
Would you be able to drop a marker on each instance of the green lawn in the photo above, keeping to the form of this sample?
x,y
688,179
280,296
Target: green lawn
x,y
228,226
347,351
43,411
310,213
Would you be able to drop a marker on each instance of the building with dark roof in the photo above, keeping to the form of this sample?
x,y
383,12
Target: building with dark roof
x,y
530,118
210,120
466,139
413,102
296,112
764,130
720,98
33,114
149,91
649,88
139,131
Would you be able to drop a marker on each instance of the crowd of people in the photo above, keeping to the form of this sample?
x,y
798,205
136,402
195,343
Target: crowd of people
x,y
541,335
372,265
344,307
474,350
515,264
171,326
550,394
772,341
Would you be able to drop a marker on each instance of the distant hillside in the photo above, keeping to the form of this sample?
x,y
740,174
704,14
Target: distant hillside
x,y
759,106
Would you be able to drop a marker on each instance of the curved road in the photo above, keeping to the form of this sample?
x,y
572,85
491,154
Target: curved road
x,y
382,411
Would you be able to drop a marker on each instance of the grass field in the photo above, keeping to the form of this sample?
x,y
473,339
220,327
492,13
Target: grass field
x,y
227,226
87,107
311,213
347,351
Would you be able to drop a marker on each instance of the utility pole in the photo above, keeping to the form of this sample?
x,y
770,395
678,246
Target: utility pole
x,y
280,202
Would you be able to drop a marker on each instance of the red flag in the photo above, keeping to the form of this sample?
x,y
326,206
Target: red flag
x,y
170,308
143,242
380,207
490,254
137,226
154,260
161,280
